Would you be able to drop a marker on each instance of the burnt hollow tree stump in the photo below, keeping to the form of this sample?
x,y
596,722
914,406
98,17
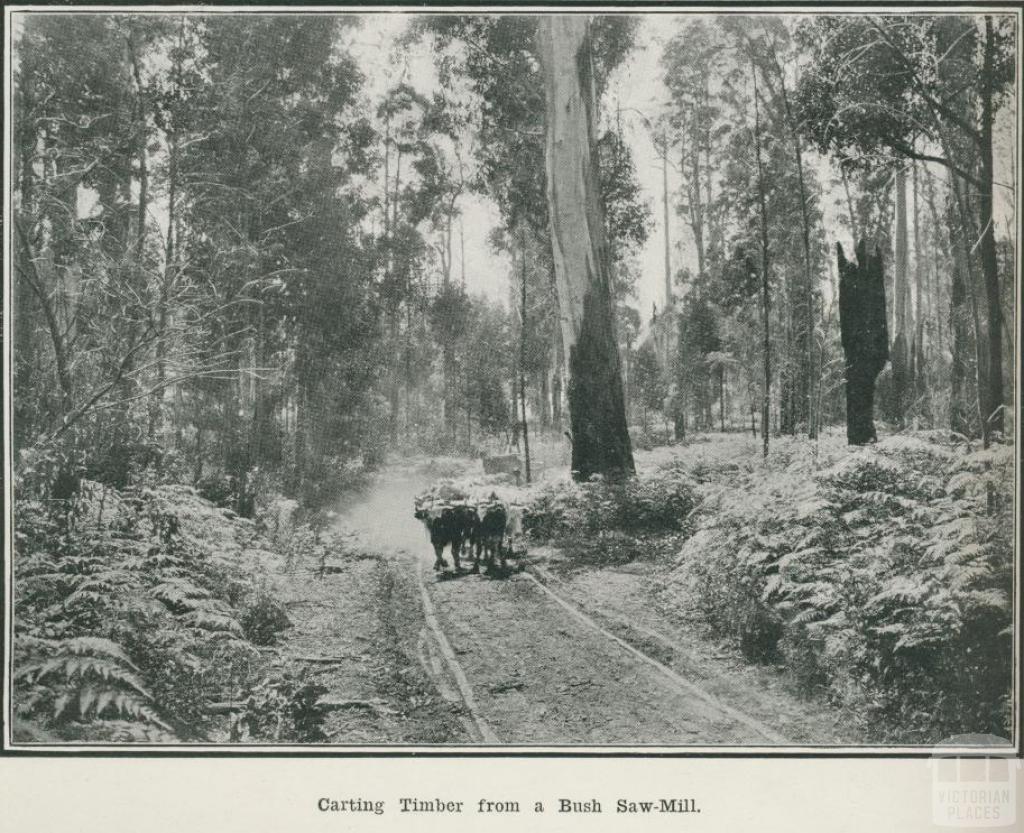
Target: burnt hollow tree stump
x,y
865,338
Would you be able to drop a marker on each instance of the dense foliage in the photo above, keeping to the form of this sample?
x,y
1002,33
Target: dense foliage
x,y
877,577
212,278
136,610
790,135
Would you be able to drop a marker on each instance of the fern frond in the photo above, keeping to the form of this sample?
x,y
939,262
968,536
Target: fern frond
x,y
97,645
212,621
83,668
771,586
179,594
901,589
996,599
809,615
799,555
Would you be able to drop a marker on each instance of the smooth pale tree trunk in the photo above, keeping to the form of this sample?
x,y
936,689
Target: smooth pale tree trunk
x,y
664,205
902,345
448,352
765,293
921,393
522,357
946,261
712,238
170,267
600,438
696,209
556,401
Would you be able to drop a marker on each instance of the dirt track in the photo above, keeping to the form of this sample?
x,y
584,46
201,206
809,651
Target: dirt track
x,y
542,657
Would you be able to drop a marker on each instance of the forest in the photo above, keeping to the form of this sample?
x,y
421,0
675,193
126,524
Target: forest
x,y
260,262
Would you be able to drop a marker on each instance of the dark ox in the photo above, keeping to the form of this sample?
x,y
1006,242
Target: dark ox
x,y
489,535
449,526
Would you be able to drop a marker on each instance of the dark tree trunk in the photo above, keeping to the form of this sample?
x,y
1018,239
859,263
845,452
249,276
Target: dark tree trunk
x,y
992,399
679,422
28,270
787,401
721,397
963,232
301,437
865,338
556,400
197,465
962,408
448,382
597,416
679,400
394,377
545,401
23,352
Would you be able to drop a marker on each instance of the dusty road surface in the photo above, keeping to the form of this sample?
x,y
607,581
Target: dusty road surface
x,y
534,657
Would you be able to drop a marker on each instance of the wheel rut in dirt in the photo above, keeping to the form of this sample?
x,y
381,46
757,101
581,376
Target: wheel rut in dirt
x,y
542,673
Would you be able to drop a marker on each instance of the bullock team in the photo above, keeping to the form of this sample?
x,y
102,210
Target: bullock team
x,y
489,527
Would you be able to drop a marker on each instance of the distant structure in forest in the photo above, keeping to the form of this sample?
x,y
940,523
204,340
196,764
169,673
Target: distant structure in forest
x,y
663,332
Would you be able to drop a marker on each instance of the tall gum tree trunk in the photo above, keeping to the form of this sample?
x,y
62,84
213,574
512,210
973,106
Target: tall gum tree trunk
x,y
918,357
960,411
556,386
765,289
664,205
964,230
805,330
992,412
902,342
600,438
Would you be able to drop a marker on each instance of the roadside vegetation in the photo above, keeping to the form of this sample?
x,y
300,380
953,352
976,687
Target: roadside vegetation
x,y
150,614
879,578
